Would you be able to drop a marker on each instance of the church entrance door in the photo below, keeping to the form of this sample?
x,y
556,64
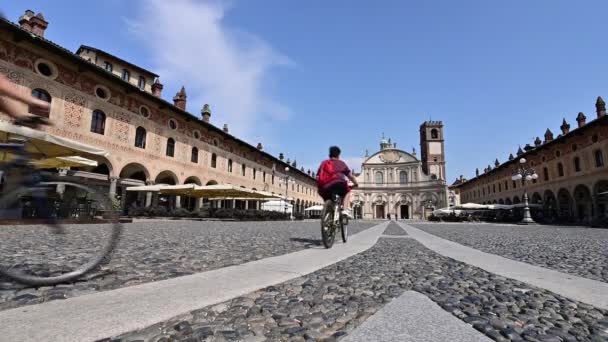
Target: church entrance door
x,y
380,211
405,213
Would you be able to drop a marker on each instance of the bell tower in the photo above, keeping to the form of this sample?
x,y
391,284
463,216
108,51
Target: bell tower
x,y
432,150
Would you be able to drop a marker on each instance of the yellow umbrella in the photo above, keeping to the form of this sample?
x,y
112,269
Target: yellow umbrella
x,y
60,162
41,144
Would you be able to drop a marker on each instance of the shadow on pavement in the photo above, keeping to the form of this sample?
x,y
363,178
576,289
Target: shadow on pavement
x,y
308,243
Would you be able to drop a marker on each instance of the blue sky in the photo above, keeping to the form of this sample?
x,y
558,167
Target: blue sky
x,y
302,75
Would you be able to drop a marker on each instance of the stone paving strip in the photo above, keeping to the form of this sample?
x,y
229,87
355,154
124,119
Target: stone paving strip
x,y
413,317
575,250
109,313
331,302
585,290
157,250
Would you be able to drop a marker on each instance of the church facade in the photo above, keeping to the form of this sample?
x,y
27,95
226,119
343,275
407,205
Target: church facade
x,y
394,183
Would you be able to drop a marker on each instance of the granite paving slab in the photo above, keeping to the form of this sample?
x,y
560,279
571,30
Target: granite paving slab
x,y
575,250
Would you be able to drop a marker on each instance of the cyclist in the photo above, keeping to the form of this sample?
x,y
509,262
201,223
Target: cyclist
x,y
333,176
8,93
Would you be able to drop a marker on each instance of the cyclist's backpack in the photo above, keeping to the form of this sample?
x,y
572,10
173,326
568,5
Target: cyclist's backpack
x,y
325,174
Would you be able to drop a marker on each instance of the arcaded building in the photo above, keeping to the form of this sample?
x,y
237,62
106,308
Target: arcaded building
x,y
396,183
104,101
572,182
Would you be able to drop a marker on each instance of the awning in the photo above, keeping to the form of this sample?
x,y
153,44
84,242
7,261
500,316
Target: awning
x,y
207,191
44,145
59,162
314,208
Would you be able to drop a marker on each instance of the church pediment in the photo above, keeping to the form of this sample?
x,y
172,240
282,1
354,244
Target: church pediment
x,y
391,156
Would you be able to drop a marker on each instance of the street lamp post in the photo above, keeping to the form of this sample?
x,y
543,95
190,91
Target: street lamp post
x,y
286,188
524,175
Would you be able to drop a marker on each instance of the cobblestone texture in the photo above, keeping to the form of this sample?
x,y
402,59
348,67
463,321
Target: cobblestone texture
x,y
331,302
394,229
579,251
152,251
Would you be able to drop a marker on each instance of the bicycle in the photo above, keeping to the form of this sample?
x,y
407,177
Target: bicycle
x,y
332,218
42,204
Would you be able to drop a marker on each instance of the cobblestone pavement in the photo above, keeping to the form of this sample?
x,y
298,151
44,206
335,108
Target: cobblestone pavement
x,y
152,251
575,250
394,229
331,302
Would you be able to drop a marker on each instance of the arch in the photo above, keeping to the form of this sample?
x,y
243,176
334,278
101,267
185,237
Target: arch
x,y
166,177
501,201
101,169
600,193
193,180
508,201
494,202
434,133
516,200
211,182
564,203
140,137
536,198
135,171
550,208
98,122
583,204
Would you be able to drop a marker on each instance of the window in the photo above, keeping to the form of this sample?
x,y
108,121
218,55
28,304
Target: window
x,y
41,95
577,164
172,124
599,158
514,185
144,111
194,156
272,180
140,137
574,147
243,170
126,75
379,177
214,160
142,83
494,188
560,169
196,135
506,185
545,174
229,165
499,187
108,66
402,177
558,153
595,138
102,92
170,147
98,122
434,134
254,173
45,70
264,177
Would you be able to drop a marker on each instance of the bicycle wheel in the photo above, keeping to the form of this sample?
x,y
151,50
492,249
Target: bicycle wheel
x,y
51,232
344,227
328,231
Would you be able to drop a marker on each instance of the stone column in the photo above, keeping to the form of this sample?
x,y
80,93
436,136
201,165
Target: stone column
x,y
199,203
233,204
149,194
178,202
113,183
246,205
